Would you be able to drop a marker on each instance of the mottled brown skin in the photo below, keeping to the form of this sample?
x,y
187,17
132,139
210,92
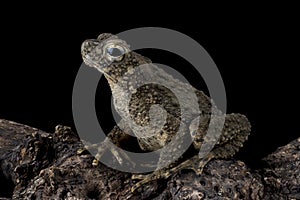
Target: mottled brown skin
x,y
98,53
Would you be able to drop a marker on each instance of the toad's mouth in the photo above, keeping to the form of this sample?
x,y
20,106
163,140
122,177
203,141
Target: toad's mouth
x,y
99,67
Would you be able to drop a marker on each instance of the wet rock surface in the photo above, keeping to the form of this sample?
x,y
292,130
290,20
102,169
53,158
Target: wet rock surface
x,y
39,165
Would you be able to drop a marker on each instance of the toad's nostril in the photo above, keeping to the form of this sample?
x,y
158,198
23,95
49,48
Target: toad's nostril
x,y
87,46
84,48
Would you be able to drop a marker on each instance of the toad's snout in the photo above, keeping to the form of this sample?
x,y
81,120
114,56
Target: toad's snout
x,y
88,47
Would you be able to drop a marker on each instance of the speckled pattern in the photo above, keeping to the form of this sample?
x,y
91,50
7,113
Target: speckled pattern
x,y
236,129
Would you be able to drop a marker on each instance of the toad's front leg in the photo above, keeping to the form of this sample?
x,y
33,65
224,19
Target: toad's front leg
x,y
111,142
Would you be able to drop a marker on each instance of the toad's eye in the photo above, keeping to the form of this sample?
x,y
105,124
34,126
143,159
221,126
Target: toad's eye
x,y
115,53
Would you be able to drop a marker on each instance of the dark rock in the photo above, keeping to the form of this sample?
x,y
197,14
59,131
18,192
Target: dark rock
x,y
220,180
39,165
282,175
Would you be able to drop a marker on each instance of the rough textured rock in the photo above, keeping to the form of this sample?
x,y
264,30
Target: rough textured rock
x,y
39,165
282,175
220,180
13,138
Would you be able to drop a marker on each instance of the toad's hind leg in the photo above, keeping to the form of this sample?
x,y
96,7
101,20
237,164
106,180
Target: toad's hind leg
x,y
235,131
168,157
224,140
195,163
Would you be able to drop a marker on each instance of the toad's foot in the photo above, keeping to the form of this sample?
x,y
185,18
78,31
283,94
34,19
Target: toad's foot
x,y
101,148
195,163
111,143
119,154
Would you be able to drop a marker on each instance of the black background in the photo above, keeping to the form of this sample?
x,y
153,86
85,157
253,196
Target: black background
x,y
256,52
